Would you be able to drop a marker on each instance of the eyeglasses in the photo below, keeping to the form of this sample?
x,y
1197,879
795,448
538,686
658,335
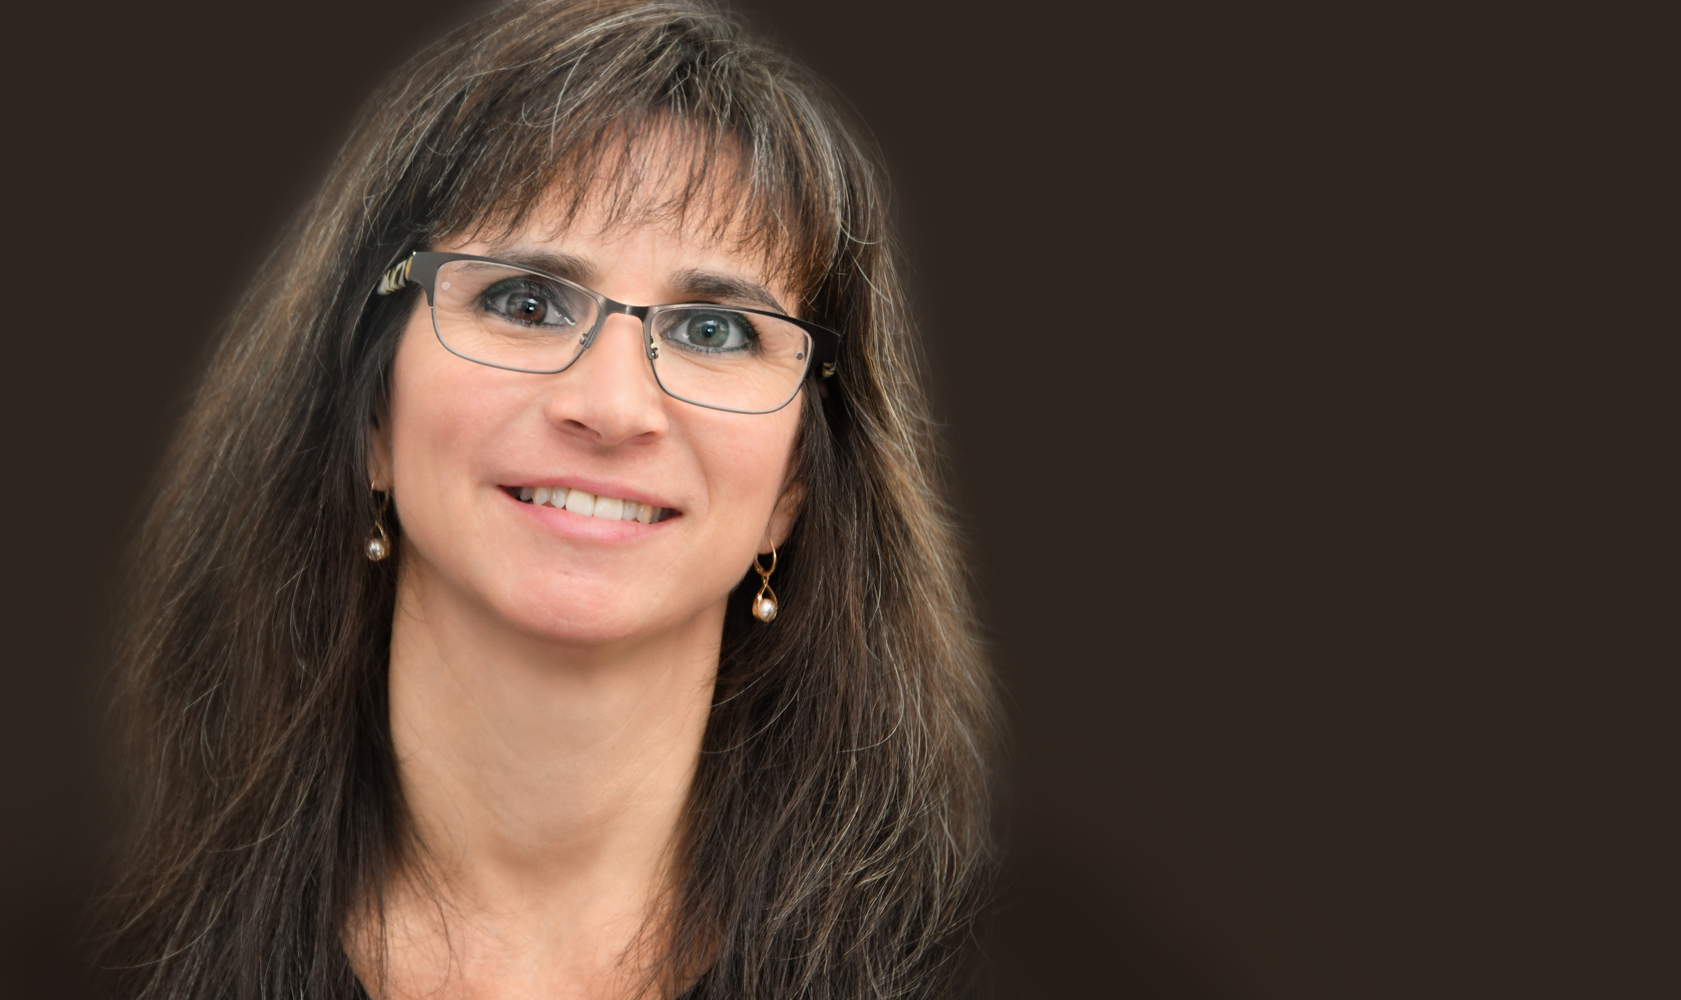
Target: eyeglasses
x,y
718,355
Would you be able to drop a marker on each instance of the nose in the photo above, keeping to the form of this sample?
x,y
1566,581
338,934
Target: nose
x,y
609,396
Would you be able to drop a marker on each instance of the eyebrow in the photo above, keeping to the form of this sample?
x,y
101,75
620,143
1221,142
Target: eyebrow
x,y
563,265
724,288
691,283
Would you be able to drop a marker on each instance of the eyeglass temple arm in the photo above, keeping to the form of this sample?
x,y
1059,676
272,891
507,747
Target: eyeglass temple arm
x,y
418,268
396,277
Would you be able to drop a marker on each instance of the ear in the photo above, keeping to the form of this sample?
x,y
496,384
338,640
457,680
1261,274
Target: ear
x,y
783,516
379,451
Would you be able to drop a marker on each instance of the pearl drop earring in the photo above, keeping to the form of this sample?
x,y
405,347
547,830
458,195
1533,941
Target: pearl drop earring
x,y
764,603
378,544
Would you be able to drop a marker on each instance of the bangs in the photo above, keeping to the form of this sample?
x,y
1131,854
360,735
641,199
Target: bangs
x,y
649,118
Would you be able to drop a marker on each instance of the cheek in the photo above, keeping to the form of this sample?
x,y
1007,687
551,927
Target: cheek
x,y
747,463
418,421
440,418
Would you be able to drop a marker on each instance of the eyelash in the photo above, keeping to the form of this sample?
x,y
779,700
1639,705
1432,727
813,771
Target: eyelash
x,y
553,301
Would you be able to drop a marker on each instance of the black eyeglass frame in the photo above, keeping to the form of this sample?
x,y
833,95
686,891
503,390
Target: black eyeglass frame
x,y
421,268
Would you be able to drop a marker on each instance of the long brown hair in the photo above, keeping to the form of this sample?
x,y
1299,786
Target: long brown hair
x,y
836,837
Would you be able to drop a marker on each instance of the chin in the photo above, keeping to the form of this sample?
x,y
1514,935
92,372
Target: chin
x,y
563,597
601,616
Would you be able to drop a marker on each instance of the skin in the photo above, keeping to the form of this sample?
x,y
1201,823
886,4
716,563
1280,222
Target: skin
x,y
551,675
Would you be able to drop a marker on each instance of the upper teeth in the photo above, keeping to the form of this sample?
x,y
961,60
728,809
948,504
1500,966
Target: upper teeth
x,y
590,505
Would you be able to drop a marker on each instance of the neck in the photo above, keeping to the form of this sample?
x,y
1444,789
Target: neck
x,y
546,785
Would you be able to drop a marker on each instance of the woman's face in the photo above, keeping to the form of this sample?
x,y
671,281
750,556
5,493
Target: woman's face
x,y
461,440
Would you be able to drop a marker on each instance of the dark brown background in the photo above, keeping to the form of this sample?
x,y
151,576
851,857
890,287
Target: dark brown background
x,y
1296,497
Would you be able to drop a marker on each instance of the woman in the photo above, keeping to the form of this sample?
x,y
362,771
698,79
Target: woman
x,y
549,592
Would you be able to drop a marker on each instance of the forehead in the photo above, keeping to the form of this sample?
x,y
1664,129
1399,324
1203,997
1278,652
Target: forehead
x,y
660,201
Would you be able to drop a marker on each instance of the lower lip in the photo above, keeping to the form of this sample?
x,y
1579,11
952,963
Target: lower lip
x,y
564,522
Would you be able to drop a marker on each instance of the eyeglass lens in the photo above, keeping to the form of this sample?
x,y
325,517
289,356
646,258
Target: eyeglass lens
x,y
710,355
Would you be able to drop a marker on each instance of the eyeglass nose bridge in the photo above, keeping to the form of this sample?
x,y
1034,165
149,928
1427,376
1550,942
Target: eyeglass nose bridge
x,y
611,308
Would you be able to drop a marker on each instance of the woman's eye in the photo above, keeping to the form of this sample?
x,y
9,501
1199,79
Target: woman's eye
x,y
714,331
528,306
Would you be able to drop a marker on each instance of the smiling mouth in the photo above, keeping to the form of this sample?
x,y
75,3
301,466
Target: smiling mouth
x,y
589,505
